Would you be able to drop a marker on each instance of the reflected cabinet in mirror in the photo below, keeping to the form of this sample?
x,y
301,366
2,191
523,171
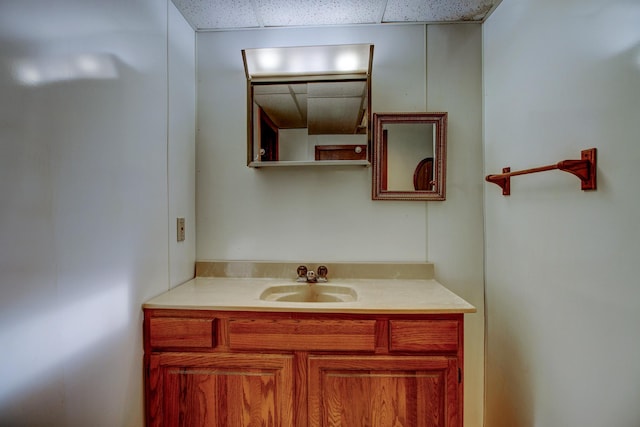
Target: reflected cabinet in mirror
x,y
409,156
308,105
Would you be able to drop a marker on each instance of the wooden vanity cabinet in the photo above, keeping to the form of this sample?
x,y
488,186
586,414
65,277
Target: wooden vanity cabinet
x,y
236,369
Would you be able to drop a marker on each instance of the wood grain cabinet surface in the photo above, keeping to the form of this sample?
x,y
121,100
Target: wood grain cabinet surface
x,y
245,369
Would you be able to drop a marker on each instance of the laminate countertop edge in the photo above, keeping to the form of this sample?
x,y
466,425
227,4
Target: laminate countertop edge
x,y
416,296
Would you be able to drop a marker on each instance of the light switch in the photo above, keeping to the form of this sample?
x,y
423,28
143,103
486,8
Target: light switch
x,y
180,229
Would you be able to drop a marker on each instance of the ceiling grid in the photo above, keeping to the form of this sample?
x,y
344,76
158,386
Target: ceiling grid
x,y
220,15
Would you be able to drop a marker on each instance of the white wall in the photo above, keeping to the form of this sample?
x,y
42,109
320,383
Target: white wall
x,y
84,227
563,295
181,145
318,214
454,228
326,214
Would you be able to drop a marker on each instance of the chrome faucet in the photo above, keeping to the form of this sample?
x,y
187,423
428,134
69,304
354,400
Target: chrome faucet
x,y
309,276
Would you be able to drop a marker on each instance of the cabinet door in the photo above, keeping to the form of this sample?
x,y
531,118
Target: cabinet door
x,y
215,390
383,391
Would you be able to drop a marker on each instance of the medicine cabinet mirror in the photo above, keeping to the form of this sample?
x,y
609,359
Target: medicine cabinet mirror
x,y
309,105
409,157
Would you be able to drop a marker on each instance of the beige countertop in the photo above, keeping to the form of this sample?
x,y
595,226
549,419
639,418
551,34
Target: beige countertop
x,y
421,296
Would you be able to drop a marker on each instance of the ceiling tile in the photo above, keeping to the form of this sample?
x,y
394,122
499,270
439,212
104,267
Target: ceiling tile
x,y
230,14
319,12
218,14
437,10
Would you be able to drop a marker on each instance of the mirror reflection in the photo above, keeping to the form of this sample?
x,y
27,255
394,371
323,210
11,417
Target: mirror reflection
x,y
409,156
309,121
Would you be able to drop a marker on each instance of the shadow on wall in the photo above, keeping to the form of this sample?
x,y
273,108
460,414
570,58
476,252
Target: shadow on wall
x,y
39,352
509,376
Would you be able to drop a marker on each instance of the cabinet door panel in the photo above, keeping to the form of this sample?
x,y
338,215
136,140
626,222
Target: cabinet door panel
x,y
221,390
382,391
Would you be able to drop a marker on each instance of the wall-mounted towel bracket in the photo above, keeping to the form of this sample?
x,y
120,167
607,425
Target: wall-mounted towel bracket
x,y
585,169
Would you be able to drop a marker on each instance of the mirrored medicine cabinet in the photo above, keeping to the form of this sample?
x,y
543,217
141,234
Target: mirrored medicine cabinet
x,y
309,105
409,156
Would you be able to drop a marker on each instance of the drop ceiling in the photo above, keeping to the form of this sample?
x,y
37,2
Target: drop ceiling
x,y
218,15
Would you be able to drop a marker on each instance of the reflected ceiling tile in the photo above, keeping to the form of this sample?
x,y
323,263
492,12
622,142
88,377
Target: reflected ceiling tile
x,y
219,14
437,10
319,12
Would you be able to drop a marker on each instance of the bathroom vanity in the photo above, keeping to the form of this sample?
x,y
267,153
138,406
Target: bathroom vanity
x,y
220,352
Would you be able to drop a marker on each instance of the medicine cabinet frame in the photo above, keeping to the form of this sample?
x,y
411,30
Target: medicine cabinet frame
x,y
302,72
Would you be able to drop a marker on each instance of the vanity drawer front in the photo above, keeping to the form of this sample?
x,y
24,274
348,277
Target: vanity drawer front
x,y
181,332
424,335
302,335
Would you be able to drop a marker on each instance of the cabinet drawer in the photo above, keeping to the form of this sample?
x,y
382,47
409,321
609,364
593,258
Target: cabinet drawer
x,y
423,335
308,334
181,332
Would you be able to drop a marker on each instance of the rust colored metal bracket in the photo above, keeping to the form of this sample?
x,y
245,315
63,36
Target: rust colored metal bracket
x,y
585,169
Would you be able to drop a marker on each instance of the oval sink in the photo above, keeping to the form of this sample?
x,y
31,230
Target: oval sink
x,y
309,293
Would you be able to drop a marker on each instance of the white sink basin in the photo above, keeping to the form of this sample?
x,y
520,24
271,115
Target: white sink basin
x,y
304,292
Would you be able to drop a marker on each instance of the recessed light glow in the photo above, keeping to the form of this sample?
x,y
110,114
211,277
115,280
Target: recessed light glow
x,y
310,60
268,60
347,61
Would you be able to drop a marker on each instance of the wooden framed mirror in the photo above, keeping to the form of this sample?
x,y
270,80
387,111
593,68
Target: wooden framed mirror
x,y
409,156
